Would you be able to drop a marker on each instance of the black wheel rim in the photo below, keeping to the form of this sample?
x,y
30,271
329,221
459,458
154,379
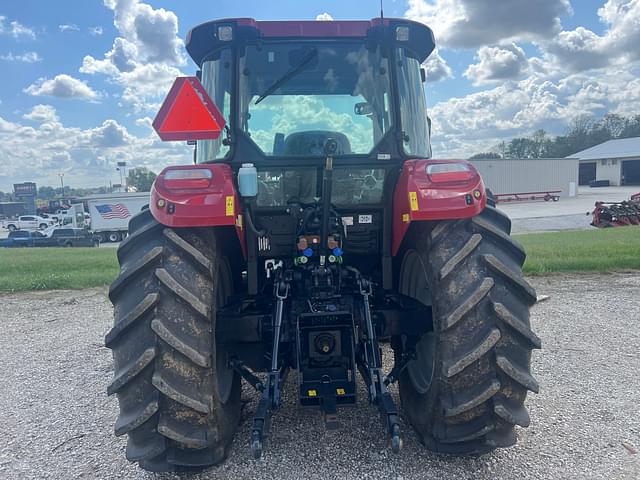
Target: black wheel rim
x,y
421,369
224,373
414,283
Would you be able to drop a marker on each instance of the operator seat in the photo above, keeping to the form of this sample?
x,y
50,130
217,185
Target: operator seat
x,y
311,143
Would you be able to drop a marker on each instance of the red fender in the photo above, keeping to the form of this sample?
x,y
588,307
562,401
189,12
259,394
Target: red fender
x,y
451,190
201,195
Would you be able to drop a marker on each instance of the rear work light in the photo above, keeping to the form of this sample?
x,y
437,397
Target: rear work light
x,y
225,33
449,172
402,34
187,178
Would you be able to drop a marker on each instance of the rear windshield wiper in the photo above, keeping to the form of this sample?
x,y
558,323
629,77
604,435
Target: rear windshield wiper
x,y
293,71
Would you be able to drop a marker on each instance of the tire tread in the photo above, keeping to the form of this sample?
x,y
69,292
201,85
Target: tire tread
x,y
483,337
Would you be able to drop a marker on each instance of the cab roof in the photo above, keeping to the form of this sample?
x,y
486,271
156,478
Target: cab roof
x,y
205,38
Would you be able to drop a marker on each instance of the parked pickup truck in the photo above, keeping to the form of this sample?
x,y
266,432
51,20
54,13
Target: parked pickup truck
x,y
28,222
59,237
68,237
22,238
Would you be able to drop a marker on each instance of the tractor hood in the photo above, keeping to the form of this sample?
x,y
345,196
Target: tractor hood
x,y
210,36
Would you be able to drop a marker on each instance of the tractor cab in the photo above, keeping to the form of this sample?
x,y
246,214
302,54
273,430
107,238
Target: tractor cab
x,y
284,88
293,94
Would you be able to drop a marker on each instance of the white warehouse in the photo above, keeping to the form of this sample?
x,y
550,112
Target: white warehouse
x,y
615,161
504,176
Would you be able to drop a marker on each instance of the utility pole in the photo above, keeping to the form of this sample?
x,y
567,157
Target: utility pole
x,y
61,175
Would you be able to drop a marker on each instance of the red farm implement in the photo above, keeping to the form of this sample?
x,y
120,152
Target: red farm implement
x,y
617,214
527,196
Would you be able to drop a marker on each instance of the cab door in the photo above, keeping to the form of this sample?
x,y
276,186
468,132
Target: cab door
x,y
28,223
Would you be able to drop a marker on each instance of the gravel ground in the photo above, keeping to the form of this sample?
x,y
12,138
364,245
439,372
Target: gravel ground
x,y
56,422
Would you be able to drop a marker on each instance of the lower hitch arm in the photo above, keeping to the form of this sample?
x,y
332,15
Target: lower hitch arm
x,y
374,377
270,398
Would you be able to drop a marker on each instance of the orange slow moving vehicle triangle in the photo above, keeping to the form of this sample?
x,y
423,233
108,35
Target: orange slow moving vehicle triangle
x,y
188,113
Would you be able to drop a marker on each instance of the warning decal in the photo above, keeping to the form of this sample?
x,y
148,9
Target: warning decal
x,y
413,200
230,209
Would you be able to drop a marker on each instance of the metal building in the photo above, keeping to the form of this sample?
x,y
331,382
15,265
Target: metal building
x,y
522,175
616,161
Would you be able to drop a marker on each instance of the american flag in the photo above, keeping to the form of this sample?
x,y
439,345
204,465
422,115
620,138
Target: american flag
x,y
116,210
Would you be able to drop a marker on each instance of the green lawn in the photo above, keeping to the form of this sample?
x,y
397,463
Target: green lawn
x,y
597,250
607,250
56,268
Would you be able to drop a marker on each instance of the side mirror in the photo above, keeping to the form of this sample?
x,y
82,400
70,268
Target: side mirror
x,y
423,74
362,108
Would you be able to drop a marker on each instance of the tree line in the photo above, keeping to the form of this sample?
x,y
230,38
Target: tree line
x,y
139,179
582,132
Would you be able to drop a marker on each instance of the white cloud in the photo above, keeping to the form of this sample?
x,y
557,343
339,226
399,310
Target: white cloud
x,y
147,82
503,62
71,27
153,32
96,31
145,59
16,29
86,156
436,68
42,114
110,135
476,122
62,86
28,57
579,72
474,23
145,122
324,17
581,49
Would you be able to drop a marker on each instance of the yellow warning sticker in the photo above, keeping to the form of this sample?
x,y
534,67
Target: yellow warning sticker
x,y
405,217
413,200
340,391
312,393
230,209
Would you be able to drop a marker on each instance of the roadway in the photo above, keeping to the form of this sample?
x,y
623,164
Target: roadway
x,y
569,213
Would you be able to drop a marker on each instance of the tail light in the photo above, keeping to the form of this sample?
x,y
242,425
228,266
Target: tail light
x,y
449,172
187,178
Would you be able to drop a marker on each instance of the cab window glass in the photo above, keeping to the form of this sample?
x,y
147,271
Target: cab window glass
x,y
216,79
413,106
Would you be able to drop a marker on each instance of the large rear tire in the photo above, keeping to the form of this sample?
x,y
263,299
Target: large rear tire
x,y
465,389
179,400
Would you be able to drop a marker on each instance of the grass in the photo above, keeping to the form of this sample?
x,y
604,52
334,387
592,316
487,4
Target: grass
x,y
23,269
597,250
614,249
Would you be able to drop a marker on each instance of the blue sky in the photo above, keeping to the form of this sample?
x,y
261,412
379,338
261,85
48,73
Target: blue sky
x,y
80,82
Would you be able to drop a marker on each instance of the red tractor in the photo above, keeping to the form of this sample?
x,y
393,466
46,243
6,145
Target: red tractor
x,y
312,227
